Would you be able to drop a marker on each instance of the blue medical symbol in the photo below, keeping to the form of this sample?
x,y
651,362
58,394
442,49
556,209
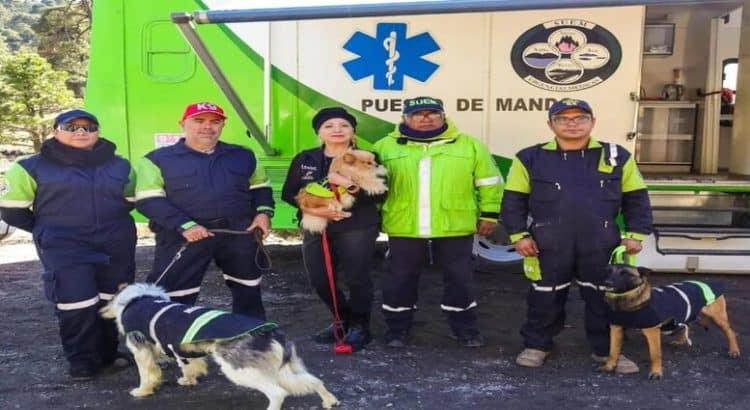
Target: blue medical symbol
x,y
390,56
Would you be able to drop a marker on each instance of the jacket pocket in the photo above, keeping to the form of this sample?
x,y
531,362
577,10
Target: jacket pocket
x,y
176,180
459,213
544,190
392,155
238,176
610,187
116,182
398,217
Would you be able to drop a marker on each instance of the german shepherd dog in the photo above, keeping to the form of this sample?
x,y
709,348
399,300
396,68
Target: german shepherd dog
x,y
635,304
251,353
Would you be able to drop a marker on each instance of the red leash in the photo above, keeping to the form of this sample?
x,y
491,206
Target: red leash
x,y
340,347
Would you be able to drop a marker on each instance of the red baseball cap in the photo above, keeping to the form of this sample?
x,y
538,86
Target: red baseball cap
x,y
202,108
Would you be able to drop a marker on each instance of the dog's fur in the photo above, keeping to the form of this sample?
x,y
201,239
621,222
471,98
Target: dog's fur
x,y
361,168
629,292
261,361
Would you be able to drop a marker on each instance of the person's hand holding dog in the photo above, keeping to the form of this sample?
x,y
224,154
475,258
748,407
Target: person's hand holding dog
x,y
327,213
527,247
196,233
632,246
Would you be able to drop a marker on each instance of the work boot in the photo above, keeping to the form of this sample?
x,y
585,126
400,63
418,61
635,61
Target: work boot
x,y
396,339
327,335
82,372
470,338
531,357
358,337
118,361
624,365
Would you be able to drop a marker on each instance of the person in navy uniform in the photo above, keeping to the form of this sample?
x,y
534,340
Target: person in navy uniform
x,y
75,197
351,233
572,188
196,185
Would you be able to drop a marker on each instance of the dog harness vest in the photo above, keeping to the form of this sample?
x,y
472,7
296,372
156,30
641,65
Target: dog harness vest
x,y
679,302
171,325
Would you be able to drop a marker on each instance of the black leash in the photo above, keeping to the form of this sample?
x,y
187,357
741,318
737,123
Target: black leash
x,y
260,250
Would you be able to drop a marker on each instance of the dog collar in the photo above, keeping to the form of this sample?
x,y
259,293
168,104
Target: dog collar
x,y
636,289
319,190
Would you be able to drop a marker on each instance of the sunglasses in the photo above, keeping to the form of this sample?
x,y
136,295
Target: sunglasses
x,y
70,127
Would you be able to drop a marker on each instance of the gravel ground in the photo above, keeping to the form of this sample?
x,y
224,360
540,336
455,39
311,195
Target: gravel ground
x,y
432,373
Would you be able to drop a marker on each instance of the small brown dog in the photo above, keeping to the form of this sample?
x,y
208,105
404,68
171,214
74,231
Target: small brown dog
x,y
636,305
357,165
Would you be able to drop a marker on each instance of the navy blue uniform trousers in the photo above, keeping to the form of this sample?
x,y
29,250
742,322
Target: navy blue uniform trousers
x,y
453,256
351,256
235,255
82,271
570,254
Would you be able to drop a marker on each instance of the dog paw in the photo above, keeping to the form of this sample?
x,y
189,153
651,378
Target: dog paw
x,y
655,376
184,381
604,369
329,403
734,355
139,392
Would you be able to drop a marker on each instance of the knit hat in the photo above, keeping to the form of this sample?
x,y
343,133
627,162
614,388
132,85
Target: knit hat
x,y
326,114
422,104
569,103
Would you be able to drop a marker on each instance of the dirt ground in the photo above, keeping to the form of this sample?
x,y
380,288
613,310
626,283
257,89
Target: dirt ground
x,y
433,373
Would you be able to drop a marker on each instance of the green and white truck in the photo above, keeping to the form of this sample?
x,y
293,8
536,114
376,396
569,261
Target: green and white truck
x,y
496,65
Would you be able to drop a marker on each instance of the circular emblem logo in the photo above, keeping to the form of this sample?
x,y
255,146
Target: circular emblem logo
x,y
566,55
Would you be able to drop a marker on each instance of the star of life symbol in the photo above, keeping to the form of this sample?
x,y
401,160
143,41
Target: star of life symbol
x,y
390,56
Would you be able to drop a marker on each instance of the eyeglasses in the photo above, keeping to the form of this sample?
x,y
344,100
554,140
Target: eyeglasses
x,y
578,120
433,115
70,127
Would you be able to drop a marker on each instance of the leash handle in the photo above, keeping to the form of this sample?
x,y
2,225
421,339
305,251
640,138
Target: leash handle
x,y
620,256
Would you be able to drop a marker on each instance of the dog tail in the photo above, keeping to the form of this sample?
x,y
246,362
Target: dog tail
x,y
292,360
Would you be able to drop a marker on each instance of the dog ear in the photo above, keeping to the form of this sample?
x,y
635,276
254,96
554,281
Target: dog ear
x,y
349,158
645,272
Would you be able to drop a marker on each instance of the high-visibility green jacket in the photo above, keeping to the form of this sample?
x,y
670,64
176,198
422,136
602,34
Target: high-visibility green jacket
x,y
439,188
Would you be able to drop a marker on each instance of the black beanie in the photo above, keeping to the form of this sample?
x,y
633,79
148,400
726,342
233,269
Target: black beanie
x,y
326,114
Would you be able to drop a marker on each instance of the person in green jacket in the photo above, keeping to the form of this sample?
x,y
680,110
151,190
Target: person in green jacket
x,y
443,188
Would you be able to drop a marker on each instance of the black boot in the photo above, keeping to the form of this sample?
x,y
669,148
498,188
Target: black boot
x,y
470,338
359,332
327,335
82,371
